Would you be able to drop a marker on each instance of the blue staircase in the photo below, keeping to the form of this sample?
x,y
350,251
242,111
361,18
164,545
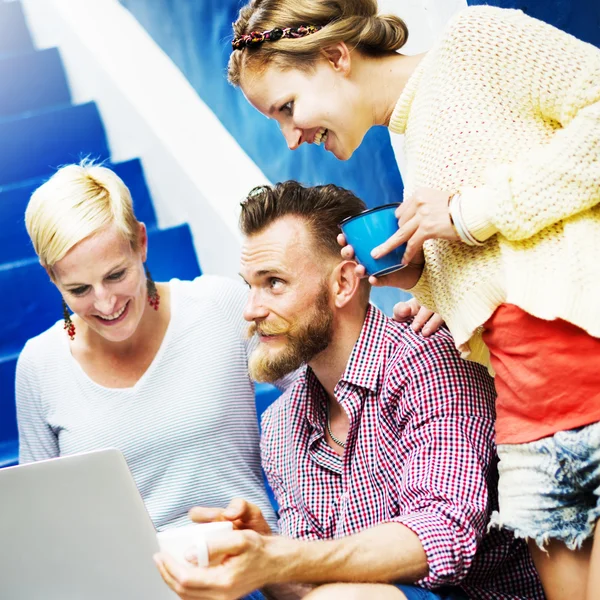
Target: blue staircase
x,y
40,130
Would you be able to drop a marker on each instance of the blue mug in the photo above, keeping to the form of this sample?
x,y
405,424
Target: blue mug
x,y
369,229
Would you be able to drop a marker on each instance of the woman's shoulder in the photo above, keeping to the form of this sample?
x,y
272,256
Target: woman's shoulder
x,y
225,294
485,25
43,351
209,301
47,343
485,39
208,286
483,14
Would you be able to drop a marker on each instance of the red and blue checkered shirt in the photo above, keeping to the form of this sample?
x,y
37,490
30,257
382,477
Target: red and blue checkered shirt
x,y
420,451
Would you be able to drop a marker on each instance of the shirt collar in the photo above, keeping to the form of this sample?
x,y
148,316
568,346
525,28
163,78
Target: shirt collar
x,y
315,394
364,366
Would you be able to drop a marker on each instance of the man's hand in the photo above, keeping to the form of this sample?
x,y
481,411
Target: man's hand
x,y
424,320
240,512
240,566
243,561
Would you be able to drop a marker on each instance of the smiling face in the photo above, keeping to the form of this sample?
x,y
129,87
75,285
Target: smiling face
x,y
321,105
102,280
289,305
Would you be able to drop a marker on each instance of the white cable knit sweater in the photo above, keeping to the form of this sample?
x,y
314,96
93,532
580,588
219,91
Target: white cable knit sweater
x,y
506,109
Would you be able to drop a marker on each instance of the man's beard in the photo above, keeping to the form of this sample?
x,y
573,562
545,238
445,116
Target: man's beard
x,y
306,337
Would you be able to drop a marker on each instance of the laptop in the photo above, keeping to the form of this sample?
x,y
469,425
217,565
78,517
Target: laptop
x,y
76,528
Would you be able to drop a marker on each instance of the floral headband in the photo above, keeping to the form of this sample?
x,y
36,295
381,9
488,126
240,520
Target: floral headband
x,y
256,37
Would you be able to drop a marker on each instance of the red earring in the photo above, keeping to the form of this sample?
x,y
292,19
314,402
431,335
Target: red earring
x,y
153,295
69,326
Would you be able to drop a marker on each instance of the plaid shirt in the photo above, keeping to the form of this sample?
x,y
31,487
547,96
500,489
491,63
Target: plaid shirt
x,y
418,452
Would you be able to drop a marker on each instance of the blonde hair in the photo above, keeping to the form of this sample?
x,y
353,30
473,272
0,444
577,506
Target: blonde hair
x,y
354,22
76,202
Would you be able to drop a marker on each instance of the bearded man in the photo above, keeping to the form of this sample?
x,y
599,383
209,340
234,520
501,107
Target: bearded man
x,y
381,452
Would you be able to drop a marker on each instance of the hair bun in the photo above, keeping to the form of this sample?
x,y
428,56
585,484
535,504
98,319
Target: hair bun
x,y
383,33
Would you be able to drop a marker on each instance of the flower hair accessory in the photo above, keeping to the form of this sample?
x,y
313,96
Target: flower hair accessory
x,y
277,33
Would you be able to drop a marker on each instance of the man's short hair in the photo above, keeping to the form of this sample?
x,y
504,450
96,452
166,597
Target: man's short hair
x,y
322,207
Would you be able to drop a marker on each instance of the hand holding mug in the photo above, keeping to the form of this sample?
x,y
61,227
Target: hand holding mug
x,y
423,216
405,278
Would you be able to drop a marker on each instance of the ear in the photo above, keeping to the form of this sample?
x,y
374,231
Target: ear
x,y
143,241
345,283
338,57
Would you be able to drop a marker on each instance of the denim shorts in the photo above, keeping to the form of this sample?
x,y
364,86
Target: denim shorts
x,y
413,592
550,488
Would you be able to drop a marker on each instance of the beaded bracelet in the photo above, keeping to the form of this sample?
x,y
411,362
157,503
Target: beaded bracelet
x,y
456,218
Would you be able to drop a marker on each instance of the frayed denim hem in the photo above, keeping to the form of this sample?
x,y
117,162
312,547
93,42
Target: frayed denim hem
x,y
572,540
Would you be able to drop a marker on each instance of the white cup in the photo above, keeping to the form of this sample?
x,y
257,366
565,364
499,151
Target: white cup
x,y
180,541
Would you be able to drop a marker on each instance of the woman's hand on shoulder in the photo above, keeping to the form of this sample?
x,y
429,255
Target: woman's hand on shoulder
x,y
424,320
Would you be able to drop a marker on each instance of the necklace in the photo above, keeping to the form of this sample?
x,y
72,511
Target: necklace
x,y
336,440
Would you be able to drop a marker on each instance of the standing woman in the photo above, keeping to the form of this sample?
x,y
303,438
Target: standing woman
x,y
158,370
501,215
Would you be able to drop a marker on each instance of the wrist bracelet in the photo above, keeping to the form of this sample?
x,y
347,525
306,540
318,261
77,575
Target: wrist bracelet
x,y
457,221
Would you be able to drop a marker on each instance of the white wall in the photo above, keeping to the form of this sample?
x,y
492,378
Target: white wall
x,y
196,171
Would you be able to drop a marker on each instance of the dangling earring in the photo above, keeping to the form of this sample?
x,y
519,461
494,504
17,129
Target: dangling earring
x,y
69,325
153,295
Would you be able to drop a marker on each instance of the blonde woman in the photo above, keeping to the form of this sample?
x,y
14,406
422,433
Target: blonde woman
x,y
158,370
502,138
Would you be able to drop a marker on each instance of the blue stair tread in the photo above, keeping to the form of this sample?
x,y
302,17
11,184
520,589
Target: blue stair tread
x,y
35,304
14,33
31,81
8,417
266,394
9,453
16,245
33,145
132,174
171,254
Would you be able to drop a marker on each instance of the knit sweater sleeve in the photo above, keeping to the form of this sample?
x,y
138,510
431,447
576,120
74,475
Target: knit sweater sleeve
x,y
422,290
558,77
